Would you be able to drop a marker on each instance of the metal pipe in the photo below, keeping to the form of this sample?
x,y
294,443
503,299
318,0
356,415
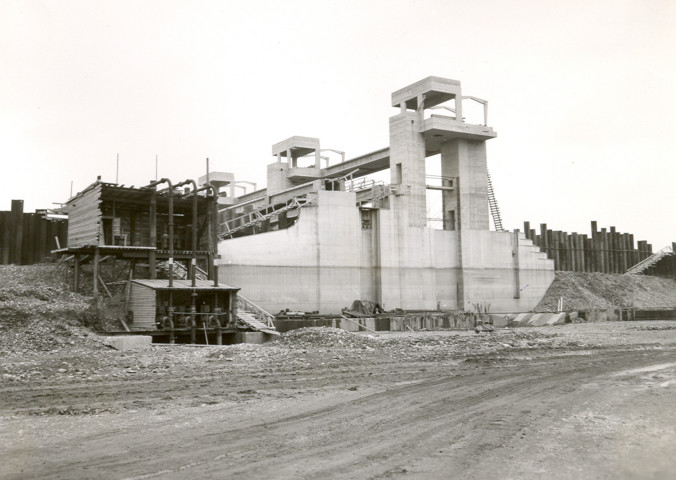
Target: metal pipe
x,y
193,266
219,333
171,229
213,237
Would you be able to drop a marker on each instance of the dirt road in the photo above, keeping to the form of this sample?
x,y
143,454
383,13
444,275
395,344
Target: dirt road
x,y
575,401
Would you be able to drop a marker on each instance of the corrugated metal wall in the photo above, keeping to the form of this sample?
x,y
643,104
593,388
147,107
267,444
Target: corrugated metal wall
x,y
142,305
84,218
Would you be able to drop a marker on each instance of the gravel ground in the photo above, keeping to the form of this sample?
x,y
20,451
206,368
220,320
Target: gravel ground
x,y
325,403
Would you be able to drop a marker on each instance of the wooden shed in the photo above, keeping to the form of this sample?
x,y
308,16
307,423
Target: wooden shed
x,y
157,305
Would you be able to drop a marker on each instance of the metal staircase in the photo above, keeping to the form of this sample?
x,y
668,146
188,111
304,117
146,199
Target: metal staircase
x,y
493,204
182,272
253,316
259,216
646,263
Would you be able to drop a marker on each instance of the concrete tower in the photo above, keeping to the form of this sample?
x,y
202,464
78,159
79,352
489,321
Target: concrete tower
x,y
284,175
415,136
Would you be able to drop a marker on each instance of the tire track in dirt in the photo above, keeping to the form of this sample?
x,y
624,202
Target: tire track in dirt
x,y
432,427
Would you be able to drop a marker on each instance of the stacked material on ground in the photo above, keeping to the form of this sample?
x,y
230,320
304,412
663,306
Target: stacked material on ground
x,y
585,291
39,313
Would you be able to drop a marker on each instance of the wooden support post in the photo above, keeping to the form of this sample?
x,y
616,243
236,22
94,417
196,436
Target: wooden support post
x,y
76,273
543,238
16,229
594,247
576,252
625,252
42,240
95,274
572,262
526,230
611,250
27,240
632,251
588,250
556,250
6,236
604,250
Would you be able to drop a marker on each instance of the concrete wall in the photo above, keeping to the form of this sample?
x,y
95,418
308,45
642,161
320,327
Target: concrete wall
x,y
494,278
312,266
328,259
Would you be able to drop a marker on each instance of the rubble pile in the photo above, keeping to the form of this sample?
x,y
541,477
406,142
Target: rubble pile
x,y
326,337
454,344
584,291
39,313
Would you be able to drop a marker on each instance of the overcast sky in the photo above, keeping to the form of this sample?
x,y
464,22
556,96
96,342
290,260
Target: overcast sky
x,y
581,93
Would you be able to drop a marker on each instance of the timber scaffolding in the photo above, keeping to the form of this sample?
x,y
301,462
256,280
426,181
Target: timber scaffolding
x,y
604,251
142,226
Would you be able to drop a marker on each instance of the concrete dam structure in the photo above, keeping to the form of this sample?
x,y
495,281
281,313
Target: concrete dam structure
x,y
318,238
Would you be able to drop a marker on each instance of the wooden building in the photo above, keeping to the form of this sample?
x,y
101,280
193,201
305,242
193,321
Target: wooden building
x,y
143,226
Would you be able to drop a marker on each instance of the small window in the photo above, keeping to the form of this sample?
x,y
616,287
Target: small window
x,y
365,220
397,173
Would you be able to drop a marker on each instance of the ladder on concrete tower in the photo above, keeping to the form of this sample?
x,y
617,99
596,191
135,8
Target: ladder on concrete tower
x,y
646,263
493,204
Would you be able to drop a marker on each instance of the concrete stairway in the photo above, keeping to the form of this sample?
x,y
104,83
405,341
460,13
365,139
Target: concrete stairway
x,y
646,263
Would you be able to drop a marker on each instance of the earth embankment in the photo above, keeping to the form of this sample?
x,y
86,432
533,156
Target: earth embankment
x,y
585,291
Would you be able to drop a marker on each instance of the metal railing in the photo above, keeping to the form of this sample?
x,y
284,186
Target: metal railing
x,y
650,261
257,217
260,314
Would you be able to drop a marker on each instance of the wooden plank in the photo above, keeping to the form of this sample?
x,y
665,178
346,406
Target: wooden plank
x,y
84,217
42,240
27,239
6,241
594,248
16,226
544,239
588,250
103,284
